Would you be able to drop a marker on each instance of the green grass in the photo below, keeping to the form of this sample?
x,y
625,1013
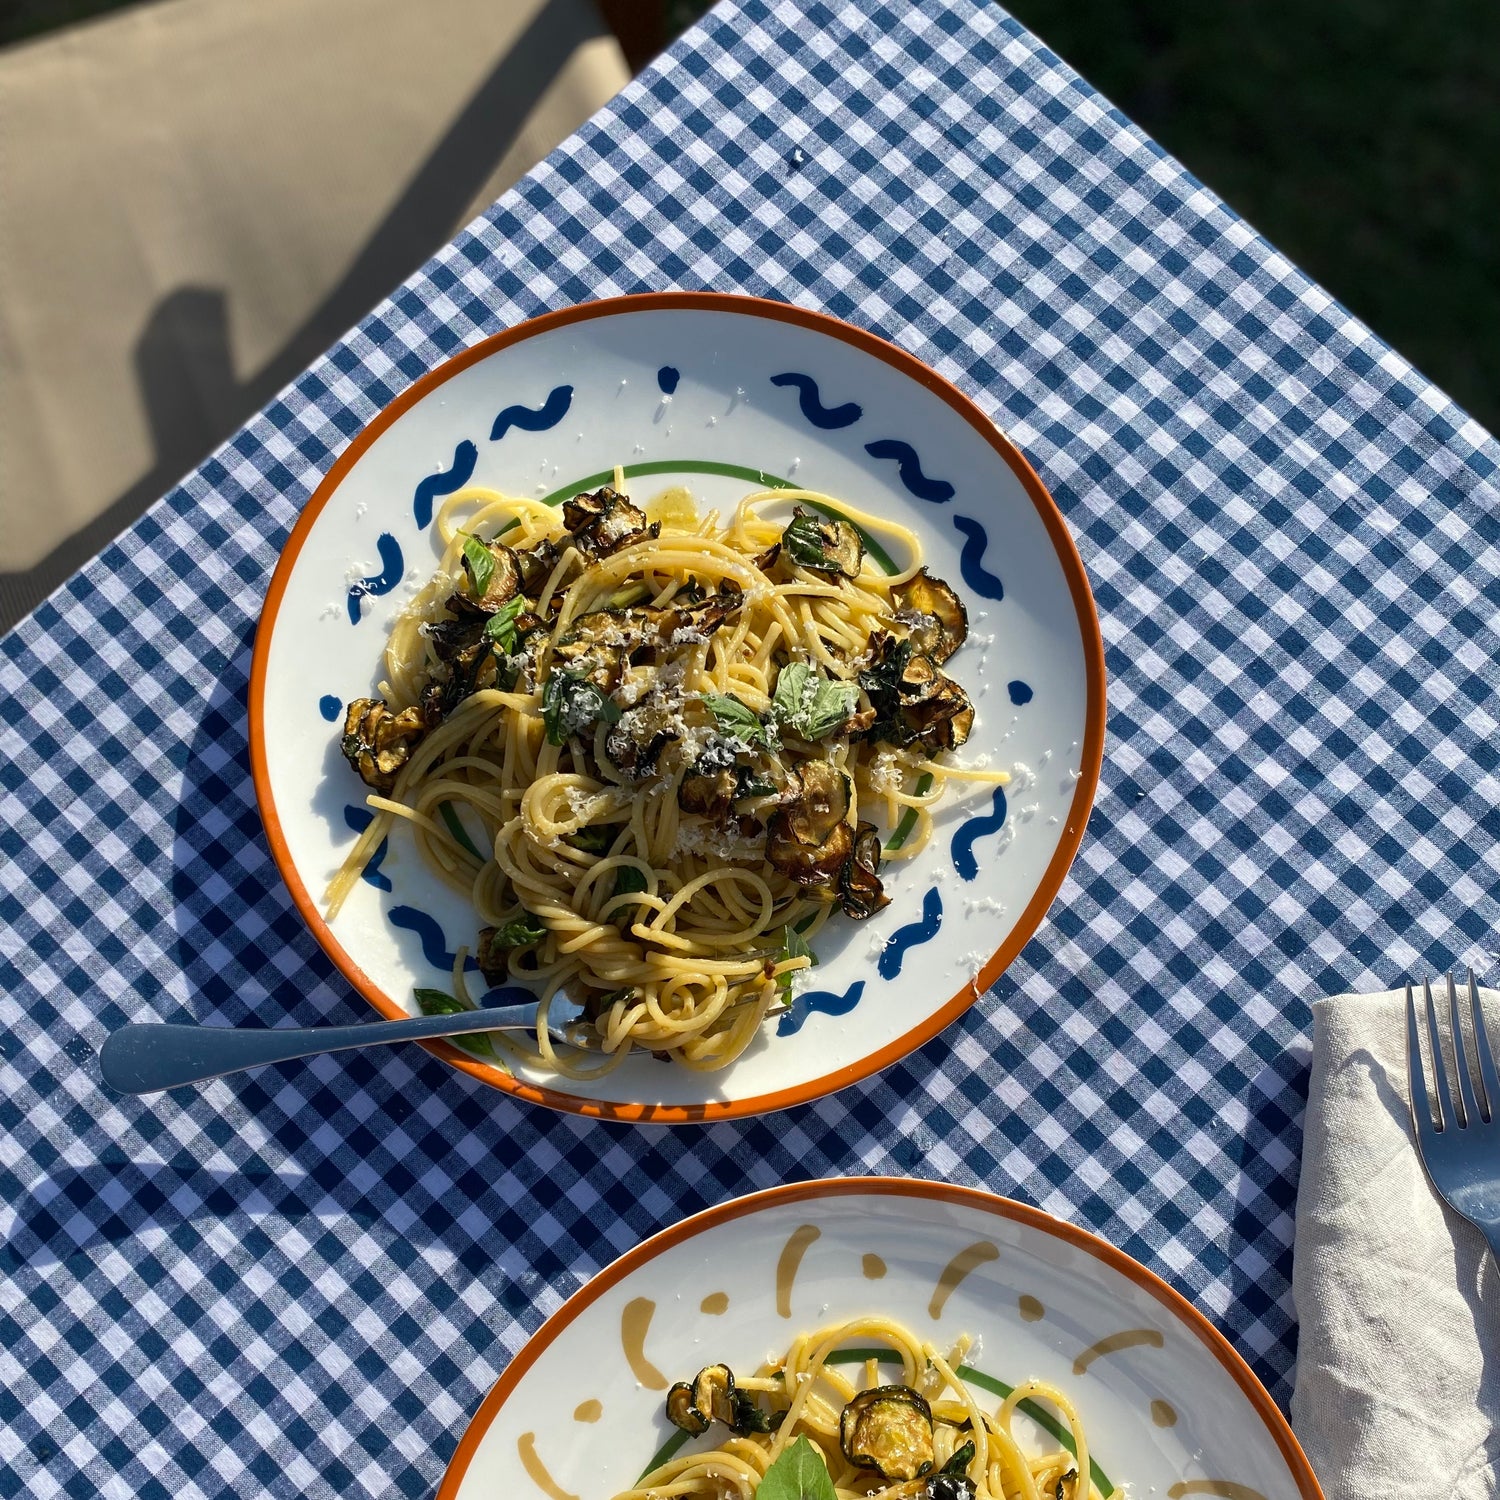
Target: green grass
x,y
22,19
1359,136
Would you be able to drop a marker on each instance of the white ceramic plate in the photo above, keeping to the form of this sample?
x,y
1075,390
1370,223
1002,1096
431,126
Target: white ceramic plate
x,y
1169,1408
717,393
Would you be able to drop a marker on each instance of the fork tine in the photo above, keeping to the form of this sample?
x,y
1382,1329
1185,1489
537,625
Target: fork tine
x,y
1487,1076
1463,1059
1416,1074
1439,1067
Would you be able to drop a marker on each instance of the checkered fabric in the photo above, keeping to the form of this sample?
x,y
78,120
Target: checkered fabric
x,y
301,1281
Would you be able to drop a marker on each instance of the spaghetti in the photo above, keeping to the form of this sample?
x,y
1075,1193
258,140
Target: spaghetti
x,y
654,752
926,1437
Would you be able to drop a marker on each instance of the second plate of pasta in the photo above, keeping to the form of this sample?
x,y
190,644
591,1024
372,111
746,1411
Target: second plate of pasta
x,y
898,1340
620,664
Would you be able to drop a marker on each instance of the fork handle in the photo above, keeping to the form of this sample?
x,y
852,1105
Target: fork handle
x,y
144,1059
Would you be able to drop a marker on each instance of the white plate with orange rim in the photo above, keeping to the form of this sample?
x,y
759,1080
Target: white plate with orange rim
x,y
1168,1407
723,395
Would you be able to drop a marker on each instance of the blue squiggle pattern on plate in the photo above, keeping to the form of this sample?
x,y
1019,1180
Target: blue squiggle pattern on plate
x,y
912,935
434,944
824,1001
465,456
1020,692
970,560
546,416
811,402
909,466
359,819
391,567
329,705
667,378
976,828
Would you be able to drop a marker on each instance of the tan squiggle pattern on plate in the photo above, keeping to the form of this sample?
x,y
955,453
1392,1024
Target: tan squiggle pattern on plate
x,y
1130,1339
1032,1310
1223,1487
873,1267
588,1411
635,1323
715,1303
788,1263
1163,1414
968,1259
526,1447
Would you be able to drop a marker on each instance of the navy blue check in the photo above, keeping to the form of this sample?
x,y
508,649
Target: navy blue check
x,y
300,1282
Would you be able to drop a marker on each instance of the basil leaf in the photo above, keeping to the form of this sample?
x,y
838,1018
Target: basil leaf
x,y
799,1474
791,688
629,880
748,1417
501,626
962,1458
832,703
909,817
571,703
594,839
827,545
803,540
735,718
751,785
479,564
457,829
793,945
796,946
521,933
437,1003
808,704
883,683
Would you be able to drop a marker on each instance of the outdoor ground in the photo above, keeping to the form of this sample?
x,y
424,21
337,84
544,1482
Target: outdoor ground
x,y
1362,137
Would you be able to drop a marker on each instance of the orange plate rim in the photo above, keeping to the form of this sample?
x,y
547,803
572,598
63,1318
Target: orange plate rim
x,y
1091,754
895,1187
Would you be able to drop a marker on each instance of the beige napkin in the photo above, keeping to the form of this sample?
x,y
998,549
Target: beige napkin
x,y
1398,1369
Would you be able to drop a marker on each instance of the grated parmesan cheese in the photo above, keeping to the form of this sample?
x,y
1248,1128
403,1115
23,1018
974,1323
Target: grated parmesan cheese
x,y
703,838
983,903
887,774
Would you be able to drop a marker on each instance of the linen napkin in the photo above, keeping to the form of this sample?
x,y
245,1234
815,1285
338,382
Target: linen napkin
x,y
1398,1366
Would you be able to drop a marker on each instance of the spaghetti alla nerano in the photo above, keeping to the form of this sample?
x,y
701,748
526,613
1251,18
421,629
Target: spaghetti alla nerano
x,y
925,1436
655,752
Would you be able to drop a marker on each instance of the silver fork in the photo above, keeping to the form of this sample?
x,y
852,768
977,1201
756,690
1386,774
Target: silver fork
x,y
1459,1140
163,1055
144,1059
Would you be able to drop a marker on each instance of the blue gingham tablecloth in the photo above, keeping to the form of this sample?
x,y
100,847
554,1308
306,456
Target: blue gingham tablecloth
x,y
301,1281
